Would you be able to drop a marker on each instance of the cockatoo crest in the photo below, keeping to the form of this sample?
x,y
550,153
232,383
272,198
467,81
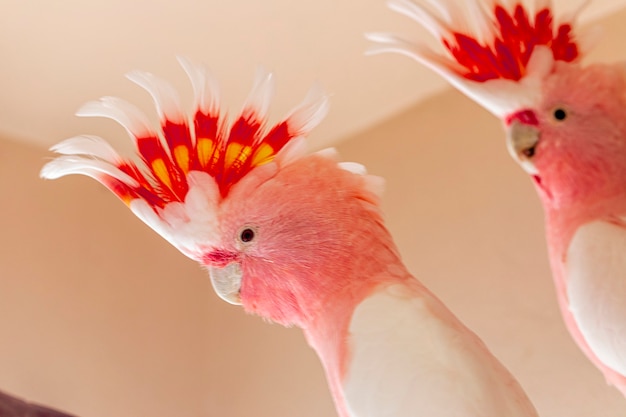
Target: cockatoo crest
x,y
496,53
187,166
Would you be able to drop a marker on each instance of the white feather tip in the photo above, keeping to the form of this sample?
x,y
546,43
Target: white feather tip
x,y
205,86
163,94
260,96
310,112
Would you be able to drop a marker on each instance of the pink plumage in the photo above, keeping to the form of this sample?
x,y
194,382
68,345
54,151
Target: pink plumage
x,y
565,125
300,240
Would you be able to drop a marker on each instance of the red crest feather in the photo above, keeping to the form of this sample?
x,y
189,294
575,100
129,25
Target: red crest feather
x,y
515,36
206,143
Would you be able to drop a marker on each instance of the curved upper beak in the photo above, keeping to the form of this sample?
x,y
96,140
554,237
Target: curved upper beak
x,y
227,282
521,141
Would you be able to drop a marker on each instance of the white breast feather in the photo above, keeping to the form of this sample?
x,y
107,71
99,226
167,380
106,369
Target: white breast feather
x,y
596,288
411,357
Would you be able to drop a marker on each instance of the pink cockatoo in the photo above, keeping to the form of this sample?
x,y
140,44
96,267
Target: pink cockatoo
x,y
566,126
297,239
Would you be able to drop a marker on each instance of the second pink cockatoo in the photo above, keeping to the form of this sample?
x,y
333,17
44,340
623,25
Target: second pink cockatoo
x,y
297,239
566,126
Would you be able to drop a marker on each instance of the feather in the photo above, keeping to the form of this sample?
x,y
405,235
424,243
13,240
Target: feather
x,y
487,42
329,153
259,99
353,167
596,271
300,240
181,178
427,359
205,87
438,27
127,115
94,168
87,145
165,97
292,151
308,114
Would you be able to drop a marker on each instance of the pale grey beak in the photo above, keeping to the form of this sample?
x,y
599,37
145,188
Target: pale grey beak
x,y
521,141
227,282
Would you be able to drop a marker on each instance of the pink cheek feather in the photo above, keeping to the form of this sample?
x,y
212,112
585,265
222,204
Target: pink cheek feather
x,y
218,258
541,186
527,117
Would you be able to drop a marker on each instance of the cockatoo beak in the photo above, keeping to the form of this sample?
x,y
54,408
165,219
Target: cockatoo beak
x,y
226,282
522,137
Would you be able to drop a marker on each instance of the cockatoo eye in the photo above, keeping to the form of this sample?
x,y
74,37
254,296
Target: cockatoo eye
x,y
247,235
559,114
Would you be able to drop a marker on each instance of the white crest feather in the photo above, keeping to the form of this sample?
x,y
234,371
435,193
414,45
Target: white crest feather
x,y
164,95
308,114
500,96
373,183
330,153
205,86
387,42
126,114
189,224
573,15
437,26
94,168
353,167
443,15
295,149
87,145
260,96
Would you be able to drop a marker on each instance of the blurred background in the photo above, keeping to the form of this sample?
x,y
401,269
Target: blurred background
x,y
100,317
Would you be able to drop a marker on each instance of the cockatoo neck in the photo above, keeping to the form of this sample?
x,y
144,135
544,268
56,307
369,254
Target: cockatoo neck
x,y
319,297
562,221
327,330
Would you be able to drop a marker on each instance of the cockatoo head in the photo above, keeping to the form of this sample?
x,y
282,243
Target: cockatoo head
x,y
272,225
572,142
497,54
523,65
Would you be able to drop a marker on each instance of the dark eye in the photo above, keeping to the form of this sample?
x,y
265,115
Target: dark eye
x,y
560,114
246,235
